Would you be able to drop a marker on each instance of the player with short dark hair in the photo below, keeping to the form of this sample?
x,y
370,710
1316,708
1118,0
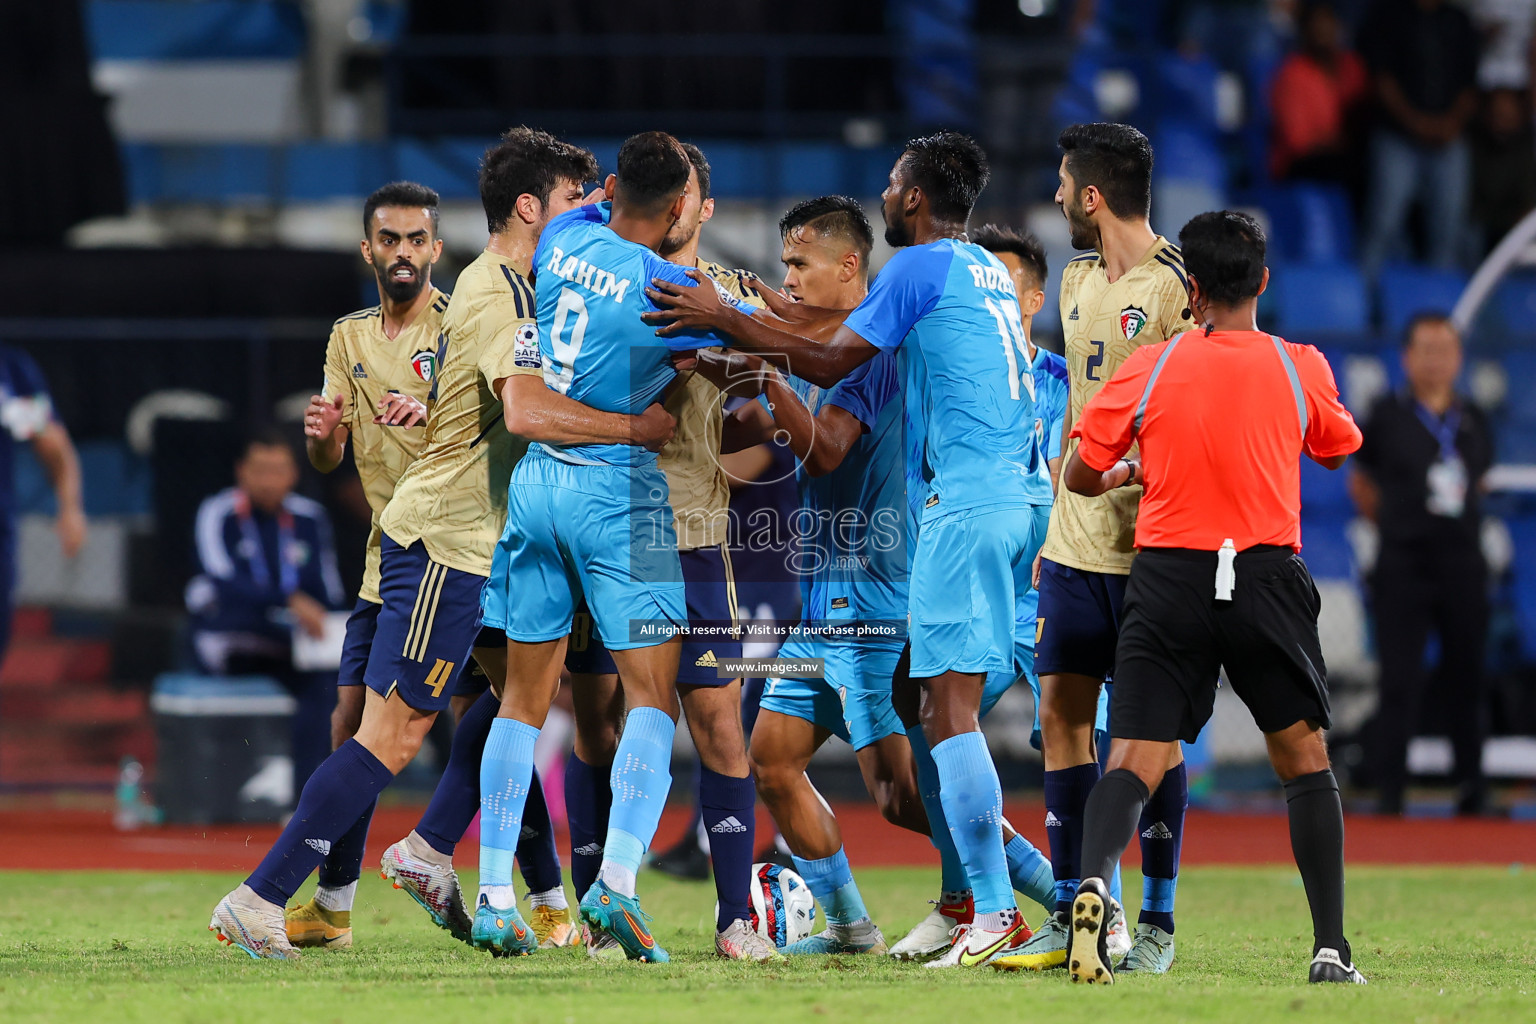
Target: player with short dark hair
x,y
379,367
439,530
590,522
1127,293
699,493
854,536
950,309
1222,417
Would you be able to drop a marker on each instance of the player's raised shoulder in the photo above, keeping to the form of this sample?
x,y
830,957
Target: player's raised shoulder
x,y
362,315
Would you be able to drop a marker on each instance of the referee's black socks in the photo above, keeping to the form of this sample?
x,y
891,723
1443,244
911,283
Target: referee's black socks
x,y
1109,821
1317,841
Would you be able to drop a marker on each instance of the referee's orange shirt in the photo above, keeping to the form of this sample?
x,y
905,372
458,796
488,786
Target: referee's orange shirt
x,y
1219,422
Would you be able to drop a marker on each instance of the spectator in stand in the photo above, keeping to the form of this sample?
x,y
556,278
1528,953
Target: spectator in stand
x,y
1316,102
1422,56
267,567
1419,476
1503,165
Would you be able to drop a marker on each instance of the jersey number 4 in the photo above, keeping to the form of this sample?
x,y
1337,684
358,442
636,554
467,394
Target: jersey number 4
x,y
1011,329
561,368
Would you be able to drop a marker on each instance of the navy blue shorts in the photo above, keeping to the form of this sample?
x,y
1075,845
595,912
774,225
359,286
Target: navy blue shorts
x,y
1078,624
362,626
429,620
710,593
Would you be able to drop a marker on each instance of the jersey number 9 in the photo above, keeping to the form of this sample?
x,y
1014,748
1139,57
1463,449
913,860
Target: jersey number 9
x,y
561,367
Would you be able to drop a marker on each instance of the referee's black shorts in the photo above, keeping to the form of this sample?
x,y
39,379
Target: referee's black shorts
x,y
1175,638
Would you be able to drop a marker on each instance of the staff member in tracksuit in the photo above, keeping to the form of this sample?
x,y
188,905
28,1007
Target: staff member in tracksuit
x,y
1222,416
266,566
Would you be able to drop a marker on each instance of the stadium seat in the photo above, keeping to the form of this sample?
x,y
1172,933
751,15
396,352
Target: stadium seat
x,y
1514,307
1325,542
1324,490
1515,443
1523,532
1309,223
1182,88
1404,291
1323,297
1189,151
208,30
1520,402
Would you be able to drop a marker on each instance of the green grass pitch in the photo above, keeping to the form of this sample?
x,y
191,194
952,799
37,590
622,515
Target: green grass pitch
x,y
1437,944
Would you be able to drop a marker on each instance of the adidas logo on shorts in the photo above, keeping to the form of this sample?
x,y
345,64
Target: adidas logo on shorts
x,y
590,850
728,825
1157,830
320,846
1051,820
707,660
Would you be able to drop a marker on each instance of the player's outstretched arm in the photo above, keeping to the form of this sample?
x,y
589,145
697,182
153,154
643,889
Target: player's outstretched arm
x,y
821,351
536,413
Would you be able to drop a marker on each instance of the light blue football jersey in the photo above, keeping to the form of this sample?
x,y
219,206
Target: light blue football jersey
x,y
951,309
589,287
855,527
1050,400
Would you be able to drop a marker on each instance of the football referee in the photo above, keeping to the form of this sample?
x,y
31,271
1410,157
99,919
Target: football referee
x,y
1221,416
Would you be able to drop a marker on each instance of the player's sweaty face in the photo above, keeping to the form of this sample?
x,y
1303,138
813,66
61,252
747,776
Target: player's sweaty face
x,y
811,268
692,218
402,248
897,233
1084,234
566,196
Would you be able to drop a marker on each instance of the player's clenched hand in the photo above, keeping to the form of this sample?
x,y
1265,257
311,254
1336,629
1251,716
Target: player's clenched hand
x,y
322,416
684,307
654,428
399,410
682,362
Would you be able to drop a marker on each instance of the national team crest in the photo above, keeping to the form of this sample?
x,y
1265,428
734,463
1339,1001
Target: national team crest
x,y
425,363
1132,320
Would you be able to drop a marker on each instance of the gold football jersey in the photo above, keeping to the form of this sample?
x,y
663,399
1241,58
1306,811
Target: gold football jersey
x,y
1104,323
362,366
453,498
699,491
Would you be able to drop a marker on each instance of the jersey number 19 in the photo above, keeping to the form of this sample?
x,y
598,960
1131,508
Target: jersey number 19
x,y
1011,329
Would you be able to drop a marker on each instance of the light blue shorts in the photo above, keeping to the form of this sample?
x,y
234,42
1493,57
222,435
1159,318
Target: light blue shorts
x,y
998,683
599,533
970,572
853,701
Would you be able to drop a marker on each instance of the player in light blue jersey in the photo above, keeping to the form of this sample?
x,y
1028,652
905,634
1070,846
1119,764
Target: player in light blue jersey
x,y
950,311
855,541
590,521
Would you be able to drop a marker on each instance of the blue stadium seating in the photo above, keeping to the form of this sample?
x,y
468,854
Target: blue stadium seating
x,y
1324,491
1514,304
1325,544
1520,403
1181,89
1404,291
1189,151
1515,442
1321,297
117,482
1523,533
1308,223
208,30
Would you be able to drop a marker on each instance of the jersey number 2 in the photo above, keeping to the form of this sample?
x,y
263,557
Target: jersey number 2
x,y
561,369
1091,371
1011,329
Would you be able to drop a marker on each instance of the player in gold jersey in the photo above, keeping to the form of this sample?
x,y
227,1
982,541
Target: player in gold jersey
x,y
699,494
435,556
379,367
1129,292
